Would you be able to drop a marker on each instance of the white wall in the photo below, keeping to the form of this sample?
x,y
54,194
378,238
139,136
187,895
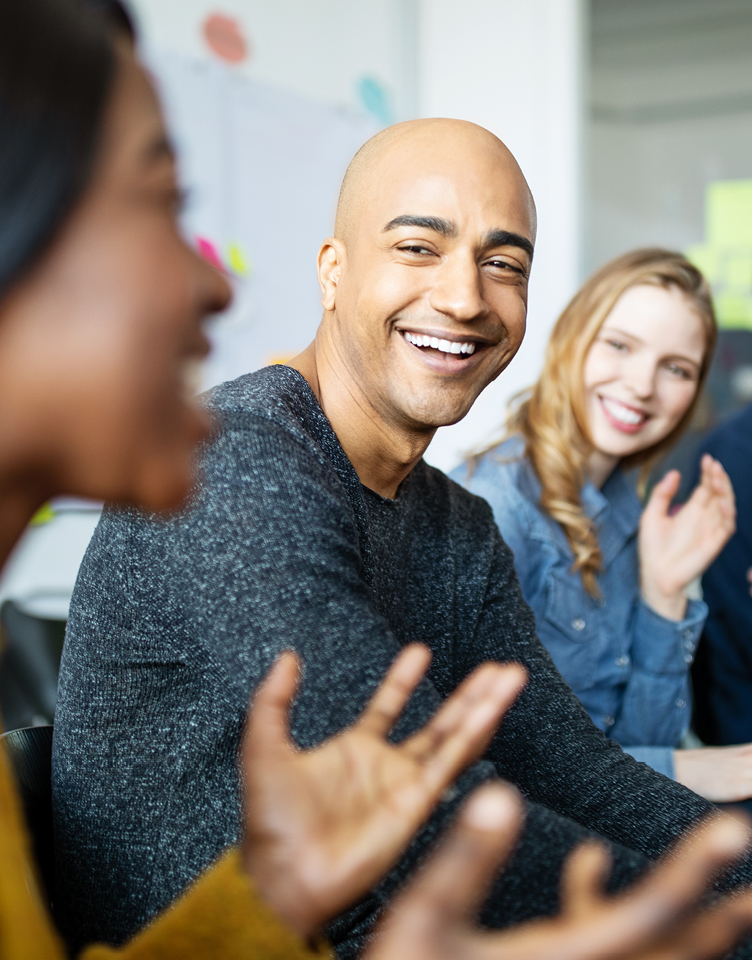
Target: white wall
x,y
515,68
671,111
321,49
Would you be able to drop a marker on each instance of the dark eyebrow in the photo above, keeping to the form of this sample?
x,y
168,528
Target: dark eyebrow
x,y
445,227
504,238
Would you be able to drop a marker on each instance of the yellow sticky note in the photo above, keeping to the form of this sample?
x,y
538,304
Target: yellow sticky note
x,y
239,263
43,515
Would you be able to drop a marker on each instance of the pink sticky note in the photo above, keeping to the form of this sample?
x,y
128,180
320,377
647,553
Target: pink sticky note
x,y
209,252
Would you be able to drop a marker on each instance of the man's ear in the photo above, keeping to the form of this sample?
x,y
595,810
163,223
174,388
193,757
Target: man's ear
x,y
330,263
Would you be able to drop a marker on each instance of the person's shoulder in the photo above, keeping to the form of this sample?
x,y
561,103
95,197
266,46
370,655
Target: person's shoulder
x,y
502,475
274,408
275,393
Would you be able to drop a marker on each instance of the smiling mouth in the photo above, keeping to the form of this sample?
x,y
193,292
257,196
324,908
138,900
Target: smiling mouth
x,y
458,348
624,418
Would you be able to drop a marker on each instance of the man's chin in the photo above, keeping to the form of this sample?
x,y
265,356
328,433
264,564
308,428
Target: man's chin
x,y
432,415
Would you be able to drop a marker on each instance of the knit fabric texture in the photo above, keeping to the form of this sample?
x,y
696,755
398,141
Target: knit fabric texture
x,y
175,621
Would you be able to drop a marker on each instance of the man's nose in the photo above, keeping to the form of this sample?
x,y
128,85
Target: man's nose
x,y
458,292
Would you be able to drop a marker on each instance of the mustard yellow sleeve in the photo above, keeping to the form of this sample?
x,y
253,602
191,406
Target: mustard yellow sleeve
x,y
220,917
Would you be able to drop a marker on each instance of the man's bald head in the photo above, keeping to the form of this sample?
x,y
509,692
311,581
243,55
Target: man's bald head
x,y
417,147
424,285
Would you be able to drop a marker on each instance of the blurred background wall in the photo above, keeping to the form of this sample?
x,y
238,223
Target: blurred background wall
x,y
632,120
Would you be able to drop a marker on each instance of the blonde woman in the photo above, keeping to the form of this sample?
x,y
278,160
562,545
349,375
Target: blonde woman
x,y
606,579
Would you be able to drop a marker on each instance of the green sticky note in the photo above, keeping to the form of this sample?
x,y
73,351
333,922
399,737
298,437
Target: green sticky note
x,y
239,263
728,213
43,515
707,259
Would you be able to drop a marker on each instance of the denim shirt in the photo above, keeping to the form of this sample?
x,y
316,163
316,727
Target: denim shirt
x,y
627,664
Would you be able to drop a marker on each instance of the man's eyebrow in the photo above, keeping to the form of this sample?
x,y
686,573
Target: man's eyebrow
x,y
505,238
445,227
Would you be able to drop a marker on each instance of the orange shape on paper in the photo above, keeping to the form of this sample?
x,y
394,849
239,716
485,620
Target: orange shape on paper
x,y
224,36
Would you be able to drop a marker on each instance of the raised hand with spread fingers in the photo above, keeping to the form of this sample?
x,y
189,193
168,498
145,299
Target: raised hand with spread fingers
x,y
323,825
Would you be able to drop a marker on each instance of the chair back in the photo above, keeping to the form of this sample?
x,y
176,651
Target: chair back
x,y
30,753
29,666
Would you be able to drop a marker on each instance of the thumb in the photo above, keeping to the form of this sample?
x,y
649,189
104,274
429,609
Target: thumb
x,y
268,727
663,493
451,886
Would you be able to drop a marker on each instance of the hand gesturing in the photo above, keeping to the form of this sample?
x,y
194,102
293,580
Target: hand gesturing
x,y
323,825
674,550
658,918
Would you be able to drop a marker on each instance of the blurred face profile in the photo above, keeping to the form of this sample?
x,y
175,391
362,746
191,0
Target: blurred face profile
x,y
642,371
98,340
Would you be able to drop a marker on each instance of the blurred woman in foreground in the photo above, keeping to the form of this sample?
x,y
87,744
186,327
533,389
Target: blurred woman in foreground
x,y
100,310
606,580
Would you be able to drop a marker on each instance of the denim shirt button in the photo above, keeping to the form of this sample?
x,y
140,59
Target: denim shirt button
x,y
578,624
609,721
681,704
688,658
622,661
688,634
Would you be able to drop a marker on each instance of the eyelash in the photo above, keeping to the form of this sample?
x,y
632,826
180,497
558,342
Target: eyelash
x,y
415,248
671,367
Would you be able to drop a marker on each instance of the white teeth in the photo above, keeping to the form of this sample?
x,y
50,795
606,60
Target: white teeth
x,y
619,412
444,346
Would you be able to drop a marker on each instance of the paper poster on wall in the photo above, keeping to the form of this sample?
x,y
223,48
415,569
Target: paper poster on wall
x,y
262,168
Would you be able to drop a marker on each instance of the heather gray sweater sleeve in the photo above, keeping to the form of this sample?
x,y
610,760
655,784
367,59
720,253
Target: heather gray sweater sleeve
x,y
174,622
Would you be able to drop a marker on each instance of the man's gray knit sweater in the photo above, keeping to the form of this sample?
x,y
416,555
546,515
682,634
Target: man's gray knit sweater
x,y
174,622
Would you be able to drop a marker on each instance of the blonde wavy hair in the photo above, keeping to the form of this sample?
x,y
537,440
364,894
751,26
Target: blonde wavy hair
x,y
551,415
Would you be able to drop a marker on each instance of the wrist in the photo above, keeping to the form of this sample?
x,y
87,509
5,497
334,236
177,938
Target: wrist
x,y
671,606
275,885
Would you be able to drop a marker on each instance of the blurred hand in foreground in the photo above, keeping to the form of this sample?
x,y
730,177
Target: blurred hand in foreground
x,y
322,826
659,918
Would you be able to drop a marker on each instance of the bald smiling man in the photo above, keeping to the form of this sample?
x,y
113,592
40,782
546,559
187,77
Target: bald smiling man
x,y
318,526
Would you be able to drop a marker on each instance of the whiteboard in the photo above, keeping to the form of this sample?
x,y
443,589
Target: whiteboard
x,y
262,168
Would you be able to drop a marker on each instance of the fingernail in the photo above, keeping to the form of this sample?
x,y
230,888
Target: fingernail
x,y
489,809
730,834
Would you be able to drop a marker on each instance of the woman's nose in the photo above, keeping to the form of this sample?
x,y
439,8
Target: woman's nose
x,y
640,378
